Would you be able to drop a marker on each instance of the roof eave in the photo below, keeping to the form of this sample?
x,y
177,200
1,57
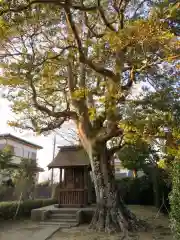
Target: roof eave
x,y
12,137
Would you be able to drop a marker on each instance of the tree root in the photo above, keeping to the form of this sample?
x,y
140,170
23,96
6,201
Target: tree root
x,y
112,220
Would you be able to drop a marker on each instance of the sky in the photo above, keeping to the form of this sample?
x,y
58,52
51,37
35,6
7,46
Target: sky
x,y
64,136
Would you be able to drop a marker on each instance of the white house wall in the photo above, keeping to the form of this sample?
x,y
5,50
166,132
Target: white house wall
x,y
20,150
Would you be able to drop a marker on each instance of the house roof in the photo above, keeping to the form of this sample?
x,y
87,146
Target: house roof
x,y
69,156
39,169
20,140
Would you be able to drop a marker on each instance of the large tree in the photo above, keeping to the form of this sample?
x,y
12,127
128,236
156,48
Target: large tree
x,y
79,61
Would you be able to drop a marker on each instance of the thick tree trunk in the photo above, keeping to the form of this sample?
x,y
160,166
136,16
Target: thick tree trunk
x,y
111,214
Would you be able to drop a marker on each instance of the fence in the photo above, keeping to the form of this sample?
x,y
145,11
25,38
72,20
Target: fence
x,y
8,193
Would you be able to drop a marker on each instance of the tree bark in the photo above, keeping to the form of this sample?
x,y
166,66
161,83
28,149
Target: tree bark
x,y
111,214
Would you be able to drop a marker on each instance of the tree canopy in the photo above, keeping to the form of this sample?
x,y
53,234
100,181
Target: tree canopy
x,y
134,156
71,60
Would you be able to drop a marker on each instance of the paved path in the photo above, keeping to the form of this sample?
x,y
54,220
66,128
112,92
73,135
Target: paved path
x,y
26,230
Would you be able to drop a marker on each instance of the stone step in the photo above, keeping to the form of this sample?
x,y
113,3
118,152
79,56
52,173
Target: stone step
x,y
61,224
65,210
63,216
68,220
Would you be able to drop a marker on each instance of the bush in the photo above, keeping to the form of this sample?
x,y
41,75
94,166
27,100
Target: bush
x,y
8,209
175,200
136,190
140,191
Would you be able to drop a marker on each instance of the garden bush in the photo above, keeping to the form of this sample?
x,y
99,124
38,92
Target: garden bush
x,y
136,190
8,209
139,191
175,200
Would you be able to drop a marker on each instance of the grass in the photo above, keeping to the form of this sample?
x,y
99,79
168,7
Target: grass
x,y
159,228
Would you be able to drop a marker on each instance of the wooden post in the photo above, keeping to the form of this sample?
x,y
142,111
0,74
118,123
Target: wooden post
x,y
85,185
73,177
85,177
52,173
64,176
60,176
52,176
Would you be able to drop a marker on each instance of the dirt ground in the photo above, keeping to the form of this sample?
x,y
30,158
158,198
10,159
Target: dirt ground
x,y
25,230
158,223
10,230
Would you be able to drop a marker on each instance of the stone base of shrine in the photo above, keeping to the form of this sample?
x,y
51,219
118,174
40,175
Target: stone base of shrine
x,y
80,215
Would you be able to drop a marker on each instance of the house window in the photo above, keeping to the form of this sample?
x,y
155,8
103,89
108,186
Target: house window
x,y
2,146
33,155
17,152
26,154
118,169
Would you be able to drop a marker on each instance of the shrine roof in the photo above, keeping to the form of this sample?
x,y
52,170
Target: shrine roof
x,y
70,156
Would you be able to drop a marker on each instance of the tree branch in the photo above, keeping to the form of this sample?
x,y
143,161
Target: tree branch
x,y
99,69
109,132
55,2
138,8
79,104
57,55
116,148
108,24
67,114
131,80
50,126
91,28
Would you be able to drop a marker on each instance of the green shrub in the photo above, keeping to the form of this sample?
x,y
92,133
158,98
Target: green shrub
x,y
140,191
8,209
136,190
175,200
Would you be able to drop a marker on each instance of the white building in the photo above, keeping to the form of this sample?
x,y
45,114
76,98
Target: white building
x,y
20,149
121,172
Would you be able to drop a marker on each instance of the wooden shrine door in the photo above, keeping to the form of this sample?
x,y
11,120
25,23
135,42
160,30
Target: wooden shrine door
x,y
75,187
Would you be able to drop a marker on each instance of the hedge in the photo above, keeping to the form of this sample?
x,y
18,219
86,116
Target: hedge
x,y
175,200
8,209
139,191
136,190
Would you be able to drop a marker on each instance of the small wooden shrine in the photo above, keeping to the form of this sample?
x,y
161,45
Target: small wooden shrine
x,y
74,187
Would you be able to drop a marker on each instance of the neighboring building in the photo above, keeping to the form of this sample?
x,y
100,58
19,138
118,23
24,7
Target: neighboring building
x,y
121,172
20,149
